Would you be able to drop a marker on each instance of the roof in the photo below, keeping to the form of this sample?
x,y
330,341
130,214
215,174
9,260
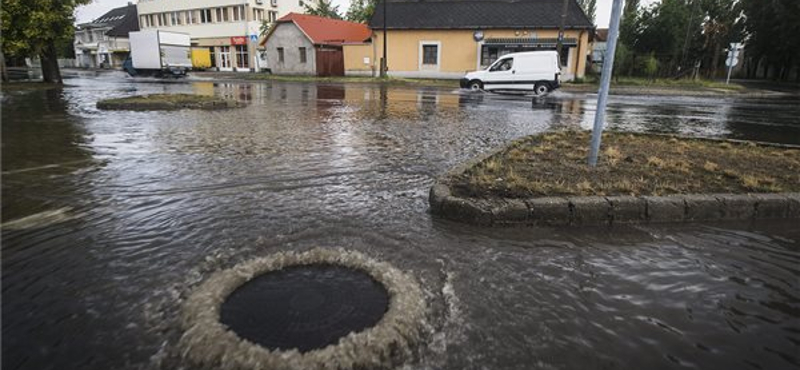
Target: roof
x,y
325,31
478,14
121,21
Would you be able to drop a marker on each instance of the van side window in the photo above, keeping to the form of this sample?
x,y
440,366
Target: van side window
x,y
503,65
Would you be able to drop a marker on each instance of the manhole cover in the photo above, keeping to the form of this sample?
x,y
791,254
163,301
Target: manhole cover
x,y
305,307
325,308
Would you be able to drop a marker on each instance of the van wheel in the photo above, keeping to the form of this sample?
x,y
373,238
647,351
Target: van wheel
x,y
541,88
475,85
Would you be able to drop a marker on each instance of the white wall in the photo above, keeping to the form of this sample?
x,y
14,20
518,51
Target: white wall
x,y
290,38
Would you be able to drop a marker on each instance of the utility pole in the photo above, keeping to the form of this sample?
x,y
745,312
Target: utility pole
x,y
605,82
384,64
560,42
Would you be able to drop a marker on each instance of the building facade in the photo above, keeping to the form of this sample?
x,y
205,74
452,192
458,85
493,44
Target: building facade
x,y
228,29
311,45
103,42
458,36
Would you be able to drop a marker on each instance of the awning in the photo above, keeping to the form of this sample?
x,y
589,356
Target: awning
x,y
530,42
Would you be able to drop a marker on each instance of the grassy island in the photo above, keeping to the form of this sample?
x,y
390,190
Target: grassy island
x,y
166,102
555,164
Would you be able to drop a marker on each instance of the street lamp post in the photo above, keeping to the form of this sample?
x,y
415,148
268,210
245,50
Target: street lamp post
x,y
384,64
605,82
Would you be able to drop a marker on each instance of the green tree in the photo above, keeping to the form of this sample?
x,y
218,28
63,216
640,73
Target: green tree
x,y
667,29
33,28
629,27
590,8
361,10
773,37
323,9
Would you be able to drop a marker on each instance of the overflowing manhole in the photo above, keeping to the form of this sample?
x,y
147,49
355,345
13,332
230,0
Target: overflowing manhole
x,y
305,307
321,309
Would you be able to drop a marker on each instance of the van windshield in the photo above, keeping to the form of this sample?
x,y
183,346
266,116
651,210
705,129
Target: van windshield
x,y
502,65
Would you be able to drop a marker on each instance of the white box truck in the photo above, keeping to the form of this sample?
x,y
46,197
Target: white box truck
x,y
159,53
536,71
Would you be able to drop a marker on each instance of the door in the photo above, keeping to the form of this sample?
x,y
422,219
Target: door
x,y
225,58
501,75
330,62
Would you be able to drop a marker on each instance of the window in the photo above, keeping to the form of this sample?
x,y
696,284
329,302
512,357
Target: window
x,y
222,14
300,3
90,37
241,56
176,18
430,54
238,13
205,15
302,55
280,55
143,21
258,14
152,20
274,2
502,65
273,16
162,19
190,18
564,56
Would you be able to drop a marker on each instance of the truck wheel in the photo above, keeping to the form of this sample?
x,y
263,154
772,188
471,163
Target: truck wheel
x,y
475,85
541,88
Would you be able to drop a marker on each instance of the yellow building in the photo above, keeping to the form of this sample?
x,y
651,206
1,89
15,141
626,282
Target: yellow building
x,y
447,38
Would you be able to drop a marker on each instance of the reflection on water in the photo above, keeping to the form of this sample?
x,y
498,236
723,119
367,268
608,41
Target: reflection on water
x,y
125,211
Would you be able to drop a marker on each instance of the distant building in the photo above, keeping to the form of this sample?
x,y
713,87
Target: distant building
x,y
599,47
227,29
446,38
103,42
311,45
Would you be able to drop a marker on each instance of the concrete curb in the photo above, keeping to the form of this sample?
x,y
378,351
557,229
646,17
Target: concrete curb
x,y
606,210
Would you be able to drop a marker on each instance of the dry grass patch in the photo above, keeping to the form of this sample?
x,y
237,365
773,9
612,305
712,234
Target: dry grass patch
x,y
630,164
166,102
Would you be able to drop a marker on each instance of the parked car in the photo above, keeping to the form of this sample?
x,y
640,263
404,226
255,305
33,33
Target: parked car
x,y
536,71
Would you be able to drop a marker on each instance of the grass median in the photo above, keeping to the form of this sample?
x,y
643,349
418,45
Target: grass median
x,y
166,102
555,164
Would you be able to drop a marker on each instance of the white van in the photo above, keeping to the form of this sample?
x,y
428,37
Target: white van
x,y
536,71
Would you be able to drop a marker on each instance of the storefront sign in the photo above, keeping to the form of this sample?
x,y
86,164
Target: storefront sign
x,y
239,40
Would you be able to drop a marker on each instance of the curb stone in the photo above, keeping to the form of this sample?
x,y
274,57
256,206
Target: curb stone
x,y
598,210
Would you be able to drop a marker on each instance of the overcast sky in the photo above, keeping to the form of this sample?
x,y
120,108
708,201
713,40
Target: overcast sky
x,y
97,8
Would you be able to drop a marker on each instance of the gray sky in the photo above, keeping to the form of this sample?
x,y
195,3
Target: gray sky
x,y
98,7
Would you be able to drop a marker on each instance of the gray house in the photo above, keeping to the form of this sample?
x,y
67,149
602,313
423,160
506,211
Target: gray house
x,y
302,44
103,42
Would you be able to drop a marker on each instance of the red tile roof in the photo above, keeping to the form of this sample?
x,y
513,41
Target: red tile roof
x,y
327,31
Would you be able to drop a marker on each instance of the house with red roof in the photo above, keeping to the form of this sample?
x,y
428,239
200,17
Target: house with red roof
x,y
302,44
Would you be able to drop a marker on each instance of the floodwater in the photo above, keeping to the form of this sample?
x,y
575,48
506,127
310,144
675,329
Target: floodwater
x,y
110,218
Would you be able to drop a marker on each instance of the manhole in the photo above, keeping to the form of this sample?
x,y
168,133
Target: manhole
x,y
321,309
305,307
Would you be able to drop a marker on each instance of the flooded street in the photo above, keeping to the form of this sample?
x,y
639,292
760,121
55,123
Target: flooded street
x,y
111,217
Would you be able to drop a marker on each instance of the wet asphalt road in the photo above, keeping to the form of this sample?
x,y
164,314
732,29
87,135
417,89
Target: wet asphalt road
x,y
126,211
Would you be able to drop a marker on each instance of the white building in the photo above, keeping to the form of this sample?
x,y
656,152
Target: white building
x,y
230,29
103,42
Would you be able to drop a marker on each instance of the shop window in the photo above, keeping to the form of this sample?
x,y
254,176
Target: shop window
x,y
430,54
280,55
564,56
303,55
242,60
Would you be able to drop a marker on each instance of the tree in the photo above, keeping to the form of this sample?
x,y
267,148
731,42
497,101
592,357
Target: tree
x,y
35,27
773,36
629,27
361,10
323,9
590,8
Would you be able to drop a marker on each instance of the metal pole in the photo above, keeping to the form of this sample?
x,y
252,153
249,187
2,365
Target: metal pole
x,y
384,63
605,81
560,41
728,80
